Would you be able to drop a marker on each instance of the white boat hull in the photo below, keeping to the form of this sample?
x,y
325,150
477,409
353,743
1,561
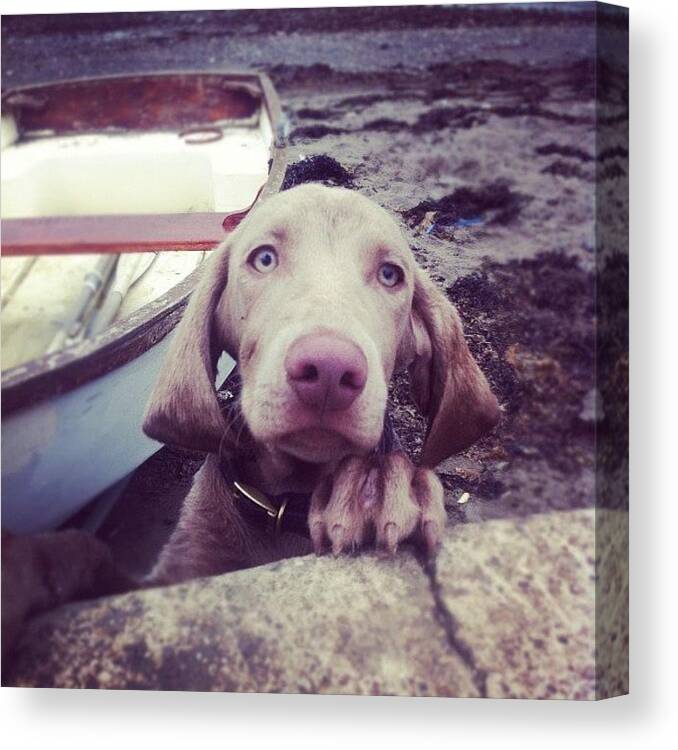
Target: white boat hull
x,y
61,453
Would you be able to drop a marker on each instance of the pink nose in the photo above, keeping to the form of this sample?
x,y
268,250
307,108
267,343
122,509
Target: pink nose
x,y
326,371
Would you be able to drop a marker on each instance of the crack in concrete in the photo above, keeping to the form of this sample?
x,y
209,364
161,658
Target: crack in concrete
x,y
451,627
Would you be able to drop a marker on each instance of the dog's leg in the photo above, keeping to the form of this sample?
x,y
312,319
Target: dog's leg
x,y
390,501
210,537
43,571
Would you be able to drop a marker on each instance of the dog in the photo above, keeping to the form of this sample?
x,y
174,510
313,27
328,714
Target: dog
x,y
319,299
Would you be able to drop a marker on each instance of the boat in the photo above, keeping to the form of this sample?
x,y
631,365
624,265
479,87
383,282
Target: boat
x,y
114,190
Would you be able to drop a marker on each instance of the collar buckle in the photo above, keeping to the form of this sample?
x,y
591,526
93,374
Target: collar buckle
x,y
260,501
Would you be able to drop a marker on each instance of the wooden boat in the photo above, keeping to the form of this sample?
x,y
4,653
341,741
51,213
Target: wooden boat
x,y
162,164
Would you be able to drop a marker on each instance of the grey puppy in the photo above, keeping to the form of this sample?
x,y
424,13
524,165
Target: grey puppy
x,y
319,299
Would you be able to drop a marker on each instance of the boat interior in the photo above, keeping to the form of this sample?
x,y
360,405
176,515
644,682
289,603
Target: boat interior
x,y
117,147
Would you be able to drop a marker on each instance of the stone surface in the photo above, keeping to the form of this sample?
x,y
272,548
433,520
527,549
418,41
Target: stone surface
x,y
612,603
306,625
508,611
527,598
522,596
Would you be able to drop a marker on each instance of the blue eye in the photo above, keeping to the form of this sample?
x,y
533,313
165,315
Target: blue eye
x,y
390,275
263,259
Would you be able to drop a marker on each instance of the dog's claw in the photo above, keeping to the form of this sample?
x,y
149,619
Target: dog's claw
x,y
431,537
390,538
338,535
317,531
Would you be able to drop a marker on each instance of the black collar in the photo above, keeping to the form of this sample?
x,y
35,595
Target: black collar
x,y
288,512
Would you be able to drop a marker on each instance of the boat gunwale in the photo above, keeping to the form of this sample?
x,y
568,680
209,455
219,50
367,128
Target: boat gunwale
x,y
55,374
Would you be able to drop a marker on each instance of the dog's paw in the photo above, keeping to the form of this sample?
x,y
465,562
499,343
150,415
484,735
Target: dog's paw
x,y
386,503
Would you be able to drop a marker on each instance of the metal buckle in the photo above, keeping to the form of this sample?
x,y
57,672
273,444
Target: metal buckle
x,y
258,498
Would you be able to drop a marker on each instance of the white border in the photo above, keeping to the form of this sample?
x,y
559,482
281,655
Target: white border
x,y
646,719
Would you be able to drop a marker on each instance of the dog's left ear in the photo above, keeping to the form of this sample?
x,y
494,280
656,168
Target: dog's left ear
x,y
447,384
183,409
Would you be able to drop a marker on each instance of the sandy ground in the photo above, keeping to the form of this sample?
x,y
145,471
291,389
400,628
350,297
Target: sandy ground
x,y
478,130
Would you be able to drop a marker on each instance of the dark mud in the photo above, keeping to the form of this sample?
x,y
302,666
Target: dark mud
x,y
321,168
488,204
477,129
143,519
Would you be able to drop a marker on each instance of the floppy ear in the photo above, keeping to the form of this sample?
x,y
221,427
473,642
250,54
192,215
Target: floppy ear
x,y
183,409
447,384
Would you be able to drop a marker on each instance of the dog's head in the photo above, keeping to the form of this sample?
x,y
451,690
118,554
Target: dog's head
x,y
318,297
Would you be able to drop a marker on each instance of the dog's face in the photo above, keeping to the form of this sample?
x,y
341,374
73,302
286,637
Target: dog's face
x,y
318,297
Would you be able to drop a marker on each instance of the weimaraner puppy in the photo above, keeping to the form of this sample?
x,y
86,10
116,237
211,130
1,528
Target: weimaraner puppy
x,y
319,299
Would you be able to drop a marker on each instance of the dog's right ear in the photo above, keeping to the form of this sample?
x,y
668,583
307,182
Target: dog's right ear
x,y
447,384
183,409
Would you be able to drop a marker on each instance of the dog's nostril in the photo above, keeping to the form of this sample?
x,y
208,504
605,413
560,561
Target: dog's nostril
x,y
351,380
309,373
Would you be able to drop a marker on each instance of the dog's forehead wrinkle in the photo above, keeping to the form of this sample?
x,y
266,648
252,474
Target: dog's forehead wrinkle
x,y
263,229
329,211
